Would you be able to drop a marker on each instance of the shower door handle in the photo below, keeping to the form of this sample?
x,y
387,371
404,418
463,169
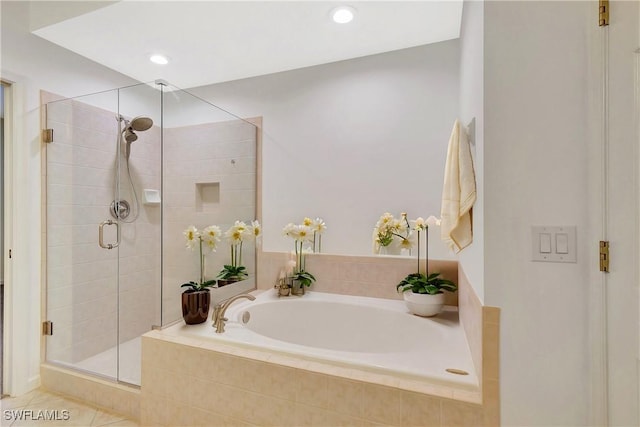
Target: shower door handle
x,y
101,234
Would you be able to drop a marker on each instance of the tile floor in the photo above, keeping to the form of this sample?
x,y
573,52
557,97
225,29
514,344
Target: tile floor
x,y
41,404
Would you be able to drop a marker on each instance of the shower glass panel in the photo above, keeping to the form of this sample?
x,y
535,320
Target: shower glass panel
x,y
127,172
82,278
210,159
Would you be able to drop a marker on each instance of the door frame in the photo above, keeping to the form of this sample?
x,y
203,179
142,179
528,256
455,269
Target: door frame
x,y
8,199
607,59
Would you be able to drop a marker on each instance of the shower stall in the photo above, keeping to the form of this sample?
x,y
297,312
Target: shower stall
x,y
127,171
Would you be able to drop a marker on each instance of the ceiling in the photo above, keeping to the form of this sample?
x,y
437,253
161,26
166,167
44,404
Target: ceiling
x,y
215,41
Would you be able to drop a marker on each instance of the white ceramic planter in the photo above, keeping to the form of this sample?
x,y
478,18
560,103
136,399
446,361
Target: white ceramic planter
x,y
424,304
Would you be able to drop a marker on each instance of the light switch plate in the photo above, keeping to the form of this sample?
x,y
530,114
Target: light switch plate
x,y
565,251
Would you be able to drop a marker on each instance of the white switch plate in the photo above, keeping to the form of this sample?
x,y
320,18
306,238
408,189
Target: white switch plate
x,y
559,253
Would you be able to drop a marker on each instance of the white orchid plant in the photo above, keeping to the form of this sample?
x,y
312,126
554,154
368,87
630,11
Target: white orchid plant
x,y
418,282
209,237
304,236
236,235
390,230
318,227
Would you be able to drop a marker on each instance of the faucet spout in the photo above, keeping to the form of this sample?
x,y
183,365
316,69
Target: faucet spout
x,y
220,309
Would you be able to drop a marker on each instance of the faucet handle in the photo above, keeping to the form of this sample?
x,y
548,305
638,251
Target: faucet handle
x,y
216,314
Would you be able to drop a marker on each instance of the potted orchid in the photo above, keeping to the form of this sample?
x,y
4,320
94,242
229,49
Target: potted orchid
x,y
236,235
391,235
303,237
427,291
196,299
317,227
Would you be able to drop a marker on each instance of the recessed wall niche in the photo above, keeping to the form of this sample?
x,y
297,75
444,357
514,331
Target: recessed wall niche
x,y
207,196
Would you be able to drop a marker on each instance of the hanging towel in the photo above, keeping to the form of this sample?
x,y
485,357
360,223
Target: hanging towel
x,y
458,191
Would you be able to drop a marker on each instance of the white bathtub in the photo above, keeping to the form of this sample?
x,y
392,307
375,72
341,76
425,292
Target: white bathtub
x,y
371,334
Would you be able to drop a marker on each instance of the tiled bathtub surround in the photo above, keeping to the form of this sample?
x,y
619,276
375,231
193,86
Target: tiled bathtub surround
x,y
243,386
254,387
482,327
372,276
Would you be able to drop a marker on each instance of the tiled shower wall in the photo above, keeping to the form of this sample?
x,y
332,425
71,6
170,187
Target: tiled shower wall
x,y
210,176
82,278
210,179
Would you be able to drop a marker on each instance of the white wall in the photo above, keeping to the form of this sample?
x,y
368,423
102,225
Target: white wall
x,y
535,173
472,107
348,141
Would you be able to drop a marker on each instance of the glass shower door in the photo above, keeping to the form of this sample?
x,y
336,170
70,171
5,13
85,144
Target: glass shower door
x,y
82,276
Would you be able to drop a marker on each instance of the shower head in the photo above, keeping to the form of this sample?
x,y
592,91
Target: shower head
x,y
140,123
129,135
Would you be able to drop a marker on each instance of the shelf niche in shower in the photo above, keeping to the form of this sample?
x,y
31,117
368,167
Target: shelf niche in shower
x,y
207,196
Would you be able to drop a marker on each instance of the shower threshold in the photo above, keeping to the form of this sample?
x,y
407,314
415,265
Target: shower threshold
x,y
105,363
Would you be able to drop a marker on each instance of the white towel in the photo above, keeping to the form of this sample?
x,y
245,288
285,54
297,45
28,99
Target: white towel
x,y
458,191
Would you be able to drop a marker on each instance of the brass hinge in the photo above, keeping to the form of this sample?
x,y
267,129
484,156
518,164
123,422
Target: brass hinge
x,y
603,15
604,256
47,135
47,327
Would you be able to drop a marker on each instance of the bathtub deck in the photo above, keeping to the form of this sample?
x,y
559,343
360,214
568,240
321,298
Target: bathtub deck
x,y
465,389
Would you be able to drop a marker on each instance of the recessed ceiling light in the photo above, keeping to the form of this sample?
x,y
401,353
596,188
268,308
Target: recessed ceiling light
x,y
343,14
159,59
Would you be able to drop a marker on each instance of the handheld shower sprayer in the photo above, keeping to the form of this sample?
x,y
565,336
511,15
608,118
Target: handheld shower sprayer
x,y
127,129
137,124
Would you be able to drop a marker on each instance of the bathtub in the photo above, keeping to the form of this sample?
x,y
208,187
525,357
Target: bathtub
x,y
370,334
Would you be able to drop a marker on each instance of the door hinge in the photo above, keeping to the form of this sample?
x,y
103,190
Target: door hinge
x,y
9,253
603,14
47,327
604,256
47,135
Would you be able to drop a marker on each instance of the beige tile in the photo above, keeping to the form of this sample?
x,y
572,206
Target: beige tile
x,y
456,414
269,411
200,358
177,414
153,412
280,382
491,352
21,401
216,394
491,404
345,396
311,388
382,404
342,420
225,368
249,374
419,410
310,416
102,418
56,411
466,396
153,382
86,390
121,423
367,423
491,314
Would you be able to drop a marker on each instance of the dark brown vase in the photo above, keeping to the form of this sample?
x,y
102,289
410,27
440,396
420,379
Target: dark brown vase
x,y
195,306
225,282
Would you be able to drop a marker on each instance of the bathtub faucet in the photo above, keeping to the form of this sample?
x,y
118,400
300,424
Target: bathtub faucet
x,y
221,308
